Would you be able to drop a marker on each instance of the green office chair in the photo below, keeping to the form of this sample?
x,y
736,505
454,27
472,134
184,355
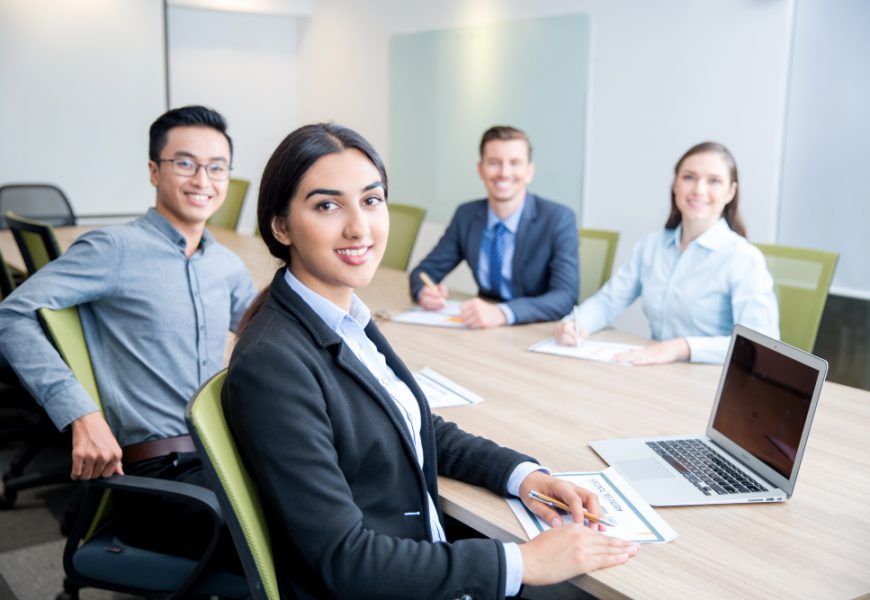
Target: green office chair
x,y
227,215
405,222
236,491
7,282
801,279
597,250
94,555
35,240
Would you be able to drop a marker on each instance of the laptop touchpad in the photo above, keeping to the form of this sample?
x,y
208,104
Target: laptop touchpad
x,y
647,468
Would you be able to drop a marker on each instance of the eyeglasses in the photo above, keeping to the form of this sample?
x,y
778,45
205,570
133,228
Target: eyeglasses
x,y
216,171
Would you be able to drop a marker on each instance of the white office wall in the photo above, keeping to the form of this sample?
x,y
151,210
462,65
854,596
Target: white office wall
x,y
80,82
664,76
825,203
244,66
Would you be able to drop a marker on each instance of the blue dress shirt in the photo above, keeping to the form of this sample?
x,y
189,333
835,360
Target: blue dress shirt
x,y
351,328
155,322
720,279
512,223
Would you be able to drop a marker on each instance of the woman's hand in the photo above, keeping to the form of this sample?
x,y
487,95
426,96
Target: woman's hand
x,y
565,552
657,354
577,498
567,335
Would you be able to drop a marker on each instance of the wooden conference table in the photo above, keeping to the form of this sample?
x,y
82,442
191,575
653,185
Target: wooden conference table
x,y
816,545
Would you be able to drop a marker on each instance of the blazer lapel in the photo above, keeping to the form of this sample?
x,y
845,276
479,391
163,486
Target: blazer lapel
x,y
526,234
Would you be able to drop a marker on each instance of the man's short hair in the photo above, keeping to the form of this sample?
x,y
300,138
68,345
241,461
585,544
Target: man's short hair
x,y
504,132
186,116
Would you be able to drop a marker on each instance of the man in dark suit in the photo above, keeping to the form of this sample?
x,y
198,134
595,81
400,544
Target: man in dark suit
x,y
522,249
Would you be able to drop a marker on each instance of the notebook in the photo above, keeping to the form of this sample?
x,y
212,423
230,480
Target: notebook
x,y
755,438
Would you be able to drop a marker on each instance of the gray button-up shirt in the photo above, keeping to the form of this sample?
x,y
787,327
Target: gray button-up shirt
x,y
155,321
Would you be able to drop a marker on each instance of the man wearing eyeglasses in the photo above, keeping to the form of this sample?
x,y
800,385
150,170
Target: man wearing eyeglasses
x,y
156,296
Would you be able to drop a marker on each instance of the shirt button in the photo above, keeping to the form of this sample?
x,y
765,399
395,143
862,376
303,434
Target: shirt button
x,y
202,363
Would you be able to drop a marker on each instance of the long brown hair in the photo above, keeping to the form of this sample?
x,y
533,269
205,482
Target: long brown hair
x,y
285,169
731,212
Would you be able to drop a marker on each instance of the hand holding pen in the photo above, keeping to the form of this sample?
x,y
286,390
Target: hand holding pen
x,y
433,296
555,503
570,331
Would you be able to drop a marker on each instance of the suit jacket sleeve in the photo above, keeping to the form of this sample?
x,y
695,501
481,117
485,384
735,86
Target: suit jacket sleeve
x,y
447,253
558,238
277,402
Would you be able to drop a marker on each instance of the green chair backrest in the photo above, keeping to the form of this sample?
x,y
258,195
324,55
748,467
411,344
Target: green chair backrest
x,y
227,215
405,222
35,240
7,283
597,250
64,328
801,280
237,491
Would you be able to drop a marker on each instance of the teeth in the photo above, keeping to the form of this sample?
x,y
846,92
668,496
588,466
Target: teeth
x,y
352,251
199,197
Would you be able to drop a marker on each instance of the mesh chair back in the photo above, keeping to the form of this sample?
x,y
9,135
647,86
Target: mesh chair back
x,y
597,250
35,240
227,215
801,278
41,201
234,487
405,222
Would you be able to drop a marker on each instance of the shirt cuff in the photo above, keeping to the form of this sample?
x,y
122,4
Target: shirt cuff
x,y
513,569
708,349
508,313
521,471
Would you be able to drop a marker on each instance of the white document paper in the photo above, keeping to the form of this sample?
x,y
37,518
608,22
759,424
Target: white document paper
x,y
446,317
442,392
587,350
636,521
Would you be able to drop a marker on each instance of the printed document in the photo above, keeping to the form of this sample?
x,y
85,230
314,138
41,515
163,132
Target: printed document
x,y
588,350
635,520
442,392
446,317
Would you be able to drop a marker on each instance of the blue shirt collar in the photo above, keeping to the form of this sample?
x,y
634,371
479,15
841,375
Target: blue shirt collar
x,y
332,315
713,239
166,229
512,222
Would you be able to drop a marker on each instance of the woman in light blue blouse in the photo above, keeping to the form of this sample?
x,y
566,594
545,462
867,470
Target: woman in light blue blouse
x,y
697,277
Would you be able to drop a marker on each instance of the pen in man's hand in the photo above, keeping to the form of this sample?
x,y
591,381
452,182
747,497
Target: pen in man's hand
x,y
577,325
427,281
554,503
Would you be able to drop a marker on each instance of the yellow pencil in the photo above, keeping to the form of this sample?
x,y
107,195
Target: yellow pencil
x,y
427,281
554,503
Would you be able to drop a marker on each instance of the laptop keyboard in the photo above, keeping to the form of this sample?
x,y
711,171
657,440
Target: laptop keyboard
x,y
704,468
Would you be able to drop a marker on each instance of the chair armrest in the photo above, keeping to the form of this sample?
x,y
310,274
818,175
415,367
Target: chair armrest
x,y
93,492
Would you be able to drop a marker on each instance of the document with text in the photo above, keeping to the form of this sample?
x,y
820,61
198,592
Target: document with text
x,y
441,392
636,521
587,350
446,317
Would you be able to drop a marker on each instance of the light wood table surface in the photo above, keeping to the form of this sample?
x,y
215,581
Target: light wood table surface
x,y
815,545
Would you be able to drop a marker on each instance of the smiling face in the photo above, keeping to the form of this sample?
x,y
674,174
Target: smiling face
x,y
188,202
702,188
337,225
506,170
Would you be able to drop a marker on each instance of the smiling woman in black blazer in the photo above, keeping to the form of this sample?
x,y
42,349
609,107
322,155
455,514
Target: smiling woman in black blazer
x,y
336,433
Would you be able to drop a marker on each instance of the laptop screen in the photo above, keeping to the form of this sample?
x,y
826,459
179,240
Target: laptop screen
x,y
765,402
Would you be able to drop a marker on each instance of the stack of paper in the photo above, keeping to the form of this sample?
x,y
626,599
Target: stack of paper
x,y
446,317
587,349
636,521
442,392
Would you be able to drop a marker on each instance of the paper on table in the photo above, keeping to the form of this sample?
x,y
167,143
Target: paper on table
x,y
636,521
446,317
442,392
588,350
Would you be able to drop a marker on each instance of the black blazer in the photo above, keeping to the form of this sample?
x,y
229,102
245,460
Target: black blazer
x,y
545,268
336,469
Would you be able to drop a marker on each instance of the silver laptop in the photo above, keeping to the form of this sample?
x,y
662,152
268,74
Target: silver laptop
x,y
755,438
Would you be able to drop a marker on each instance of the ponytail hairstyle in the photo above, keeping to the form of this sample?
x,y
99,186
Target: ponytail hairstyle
x,y
282,175
731,211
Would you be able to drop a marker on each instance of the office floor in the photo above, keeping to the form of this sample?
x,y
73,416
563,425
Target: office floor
x,y
31,545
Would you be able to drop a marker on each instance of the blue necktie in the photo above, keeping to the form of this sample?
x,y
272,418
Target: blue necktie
x,y
496,258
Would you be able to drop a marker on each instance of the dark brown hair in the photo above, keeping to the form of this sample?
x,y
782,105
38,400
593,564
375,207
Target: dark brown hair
x,y
504,133
285,169
731,211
